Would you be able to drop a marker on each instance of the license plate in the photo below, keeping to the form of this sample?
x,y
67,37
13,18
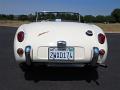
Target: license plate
x,y
55,53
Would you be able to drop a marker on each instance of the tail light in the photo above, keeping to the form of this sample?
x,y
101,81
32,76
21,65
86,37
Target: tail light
x,y
102,52
101,38
20,36
20,51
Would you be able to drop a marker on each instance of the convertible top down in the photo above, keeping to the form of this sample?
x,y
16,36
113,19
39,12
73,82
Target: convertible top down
x,y
60,43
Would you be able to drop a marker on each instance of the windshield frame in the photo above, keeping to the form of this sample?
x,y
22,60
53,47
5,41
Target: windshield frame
x,y
56,14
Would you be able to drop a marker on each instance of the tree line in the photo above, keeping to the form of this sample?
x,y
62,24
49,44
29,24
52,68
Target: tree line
x,y
113,18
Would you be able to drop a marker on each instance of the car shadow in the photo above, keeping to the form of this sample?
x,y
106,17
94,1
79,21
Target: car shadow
x,y
38,73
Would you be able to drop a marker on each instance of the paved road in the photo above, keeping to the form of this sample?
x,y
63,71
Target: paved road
x,y
14,78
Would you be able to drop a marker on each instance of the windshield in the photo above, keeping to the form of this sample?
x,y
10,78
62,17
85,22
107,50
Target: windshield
x,y
57,16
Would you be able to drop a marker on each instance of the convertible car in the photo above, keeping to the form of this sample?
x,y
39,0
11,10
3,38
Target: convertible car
x,y
60,42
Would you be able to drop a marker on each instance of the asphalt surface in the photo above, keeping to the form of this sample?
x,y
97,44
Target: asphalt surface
x,y
12,77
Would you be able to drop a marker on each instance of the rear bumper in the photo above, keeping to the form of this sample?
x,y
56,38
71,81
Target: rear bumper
x,y
92,61
80,55
40,55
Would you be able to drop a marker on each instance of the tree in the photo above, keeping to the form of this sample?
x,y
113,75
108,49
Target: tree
x,y
31,17
100,19
23,17
50,16
3,17
10,17
89,18
81,19
109,19
116,14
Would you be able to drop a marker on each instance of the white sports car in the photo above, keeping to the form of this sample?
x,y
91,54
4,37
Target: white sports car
x,y
60,43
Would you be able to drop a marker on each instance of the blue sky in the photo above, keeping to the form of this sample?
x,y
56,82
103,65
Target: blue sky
x,y
84,7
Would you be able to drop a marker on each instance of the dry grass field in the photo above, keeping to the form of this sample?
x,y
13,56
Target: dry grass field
x,y
110,27
12,23
106,27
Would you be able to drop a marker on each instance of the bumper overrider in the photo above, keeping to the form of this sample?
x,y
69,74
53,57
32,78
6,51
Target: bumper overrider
x,y
93,62
96,53
95,56
28,49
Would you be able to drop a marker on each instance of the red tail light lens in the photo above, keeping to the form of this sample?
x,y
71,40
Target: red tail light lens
x,y
102,52
20,36
101,38
20,51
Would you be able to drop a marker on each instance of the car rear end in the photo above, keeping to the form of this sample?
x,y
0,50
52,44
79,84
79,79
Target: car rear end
x,y
60,43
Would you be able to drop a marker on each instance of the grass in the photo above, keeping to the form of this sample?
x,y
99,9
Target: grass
x,y
110,27
12,23
106,27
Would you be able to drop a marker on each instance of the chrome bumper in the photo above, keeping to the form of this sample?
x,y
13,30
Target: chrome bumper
x,y
93,63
